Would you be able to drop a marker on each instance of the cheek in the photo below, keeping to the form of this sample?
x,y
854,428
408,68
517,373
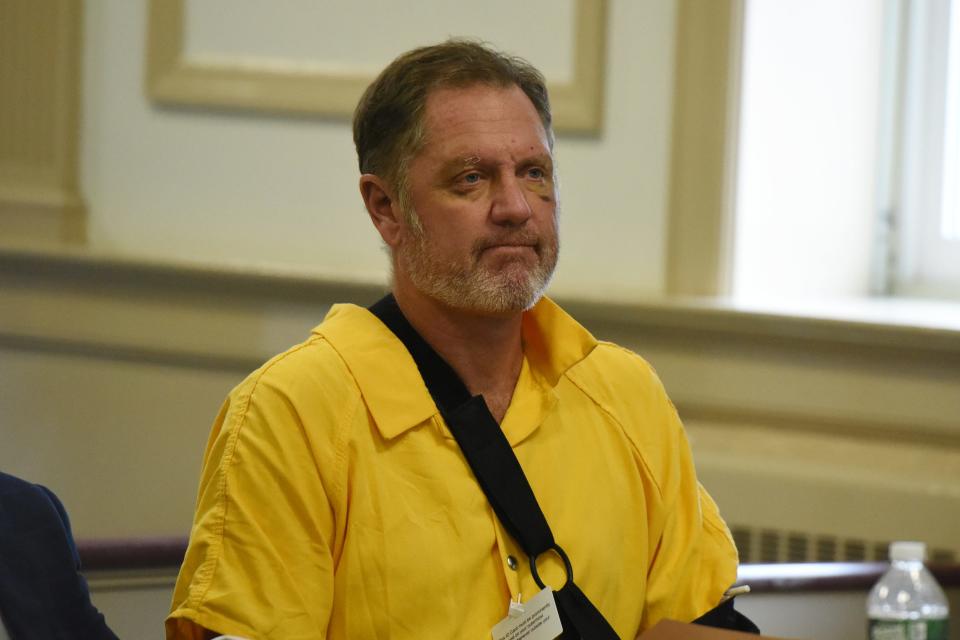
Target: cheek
x,y
545,209
545,192
450,242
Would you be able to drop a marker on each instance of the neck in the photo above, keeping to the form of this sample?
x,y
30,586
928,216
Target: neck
x,y
485,350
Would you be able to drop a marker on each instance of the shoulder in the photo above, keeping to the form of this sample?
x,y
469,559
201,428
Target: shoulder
x,y
322,362
36,519
300,403
21,495
619,379
627,388
311,373
12,485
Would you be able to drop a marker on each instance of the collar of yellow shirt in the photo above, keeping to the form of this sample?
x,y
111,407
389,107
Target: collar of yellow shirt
x,y
395,393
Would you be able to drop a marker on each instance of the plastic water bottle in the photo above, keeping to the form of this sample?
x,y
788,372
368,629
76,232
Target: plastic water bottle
x,y
907,603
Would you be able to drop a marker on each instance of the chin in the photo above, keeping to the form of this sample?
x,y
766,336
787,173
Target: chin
x,y
482,289
503,300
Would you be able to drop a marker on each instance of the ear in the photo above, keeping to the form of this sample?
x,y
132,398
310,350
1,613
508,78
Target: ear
x,y
383,208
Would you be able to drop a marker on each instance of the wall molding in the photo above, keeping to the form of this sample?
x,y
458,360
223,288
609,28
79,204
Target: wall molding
x,y
173,78
722,365
132,554
704,142
40,53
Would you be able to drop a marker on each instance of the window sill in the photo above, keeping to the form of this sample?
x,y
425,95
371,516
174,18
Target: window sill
x,y
895,323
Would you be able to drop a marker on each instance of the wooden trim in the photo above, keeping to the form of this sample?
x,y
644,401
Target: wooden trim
x,y
40,47
129,554
706,95
172,78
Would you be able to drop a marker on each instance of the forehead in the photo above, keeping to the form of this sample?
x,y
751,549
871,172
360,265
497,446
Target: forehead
x,y
481,119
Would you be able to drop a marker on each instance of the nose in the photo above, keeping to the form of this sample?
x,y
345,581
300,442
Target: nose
x,y
510,206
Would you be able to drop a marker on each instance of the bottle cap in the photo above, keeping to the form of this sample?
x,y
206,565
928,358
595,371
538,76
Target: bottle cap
x,y
908,551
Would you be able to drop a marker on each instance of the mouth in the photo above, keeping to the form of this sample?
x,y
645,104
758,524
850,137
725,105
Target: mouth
x,y
511,244
510,249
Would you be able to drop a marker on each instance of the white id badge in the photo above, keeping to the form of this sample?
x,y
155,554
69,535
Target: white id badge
x,y
539,620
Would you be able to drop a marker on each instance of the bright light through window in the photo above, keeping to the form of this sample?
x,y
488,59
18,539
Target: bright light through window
x,y
950,199
922,213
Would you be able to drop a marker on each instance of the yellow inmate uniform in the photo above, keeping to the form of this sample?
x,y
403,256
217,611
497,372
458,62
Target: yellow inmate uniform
x,y
334,502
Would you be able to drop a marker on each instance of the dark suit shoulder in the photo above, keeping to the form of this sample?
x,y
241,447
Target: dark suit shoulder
x,y
42,592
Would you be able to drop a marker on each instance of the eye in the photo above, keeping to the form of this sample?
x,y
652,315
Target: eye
x,y
471,178
536,173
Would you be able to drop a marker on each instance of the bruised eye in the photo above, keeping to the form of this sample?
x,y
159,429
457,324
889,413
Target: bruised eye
x,y
536,173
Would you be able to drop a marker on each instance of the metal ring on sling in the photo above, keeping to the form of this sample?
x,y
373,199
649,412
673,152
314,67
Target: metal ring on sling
x,y
566,565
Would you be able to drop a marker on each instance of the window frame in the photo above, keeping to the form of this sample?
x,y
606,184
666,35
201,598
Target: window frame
x,y
920,261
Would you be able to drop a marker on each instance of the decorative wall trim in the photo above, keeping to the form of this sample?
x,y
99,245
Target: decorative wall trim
x,y
174,79
814,374
132,554
705,98
40,53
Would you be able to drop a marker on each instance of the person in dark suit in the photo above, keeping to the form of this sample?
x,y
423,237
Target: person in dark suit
x,y
42,592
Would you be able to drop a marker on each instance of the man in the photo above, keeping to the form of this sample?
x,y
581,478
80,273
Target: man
x,y
42,592
334,500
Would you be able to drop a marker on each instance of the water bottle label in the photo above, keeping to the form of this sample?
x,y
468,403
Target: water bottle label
x,y
908,630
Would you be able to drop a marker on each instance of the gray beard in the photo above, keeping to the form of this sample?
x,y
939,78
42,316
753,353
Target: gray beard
x,y
478,289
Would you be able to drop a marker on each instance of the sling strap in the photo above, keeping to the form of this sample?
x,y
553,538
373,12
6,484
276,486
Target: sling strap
x,y
497,471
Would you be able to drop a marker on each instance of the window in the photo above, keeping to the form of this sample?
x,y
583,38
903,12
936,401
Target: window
x,y
807,149
836,173
919,189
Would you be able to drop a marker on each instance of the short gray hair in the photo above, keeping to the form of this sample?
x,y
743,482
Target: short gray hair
x,y
388,126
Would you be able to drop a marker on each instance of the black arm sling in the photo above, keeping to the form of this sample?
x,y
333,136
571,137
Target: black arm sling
x,y
498,473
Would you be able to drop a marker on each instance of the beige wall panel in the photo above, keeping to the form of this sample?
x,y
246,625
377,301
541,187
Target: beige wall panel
x,y
134,606
120,442
39,65
802,373
912,396
829,487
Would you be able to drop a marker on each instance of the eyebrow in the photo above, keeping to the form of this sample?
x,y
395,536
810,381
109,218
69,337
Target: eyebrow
x,y
459,164
467,162
539,158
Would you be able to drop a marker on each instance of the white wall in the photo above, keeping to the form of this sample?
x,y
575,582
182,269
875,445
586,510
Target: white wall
x,y
256,189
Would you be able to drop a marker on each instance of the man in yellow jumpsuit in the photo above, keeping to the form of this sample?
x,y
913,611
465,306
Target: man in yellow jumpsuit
x,y
334,501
